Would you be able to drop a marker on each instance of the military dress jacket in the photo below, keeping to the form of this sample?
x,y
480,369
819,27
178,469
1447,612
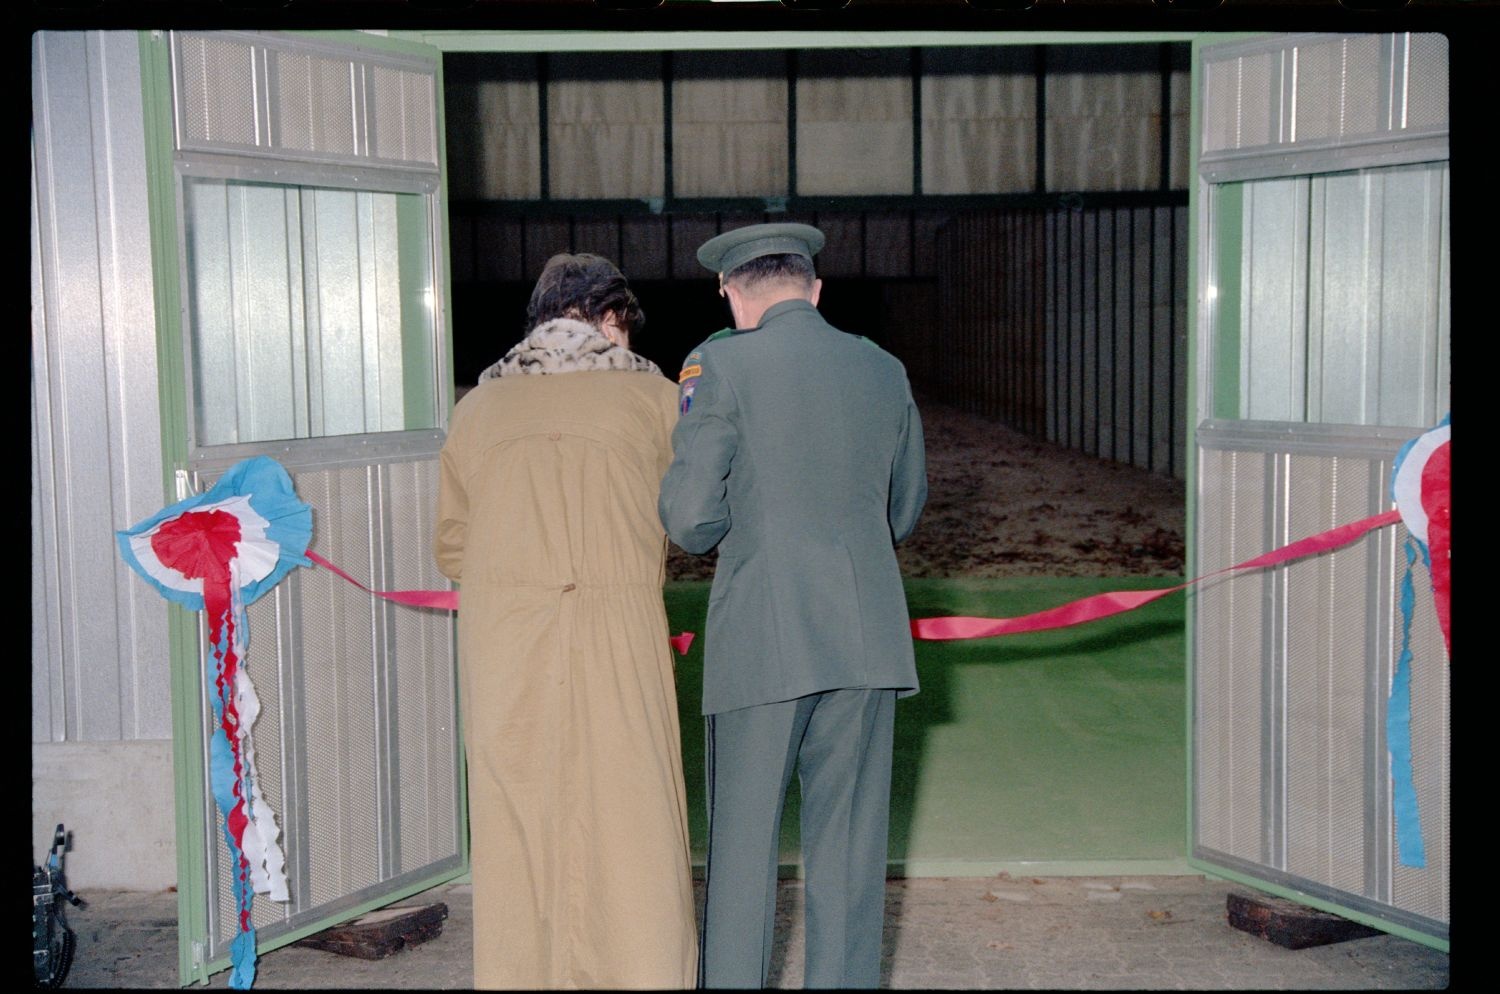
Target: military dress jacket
x,y
799,454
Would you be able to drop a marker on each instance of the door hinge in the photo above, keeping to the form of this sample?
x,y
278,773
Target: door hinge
x,y
184,487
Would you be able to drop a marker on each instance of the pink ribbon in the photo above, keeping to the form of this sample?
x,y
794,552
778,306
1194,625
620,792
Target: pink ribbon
x,y
1119,601
959,627
447,600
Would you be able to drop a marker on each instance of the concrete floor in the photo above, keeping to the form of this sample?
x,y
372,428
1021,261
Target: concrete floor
x,y
1099,933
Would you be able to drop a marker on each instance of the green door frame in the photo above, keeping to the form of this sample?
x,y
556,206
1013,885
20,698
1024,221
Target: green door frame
x,y
186,687
1224,206
600,41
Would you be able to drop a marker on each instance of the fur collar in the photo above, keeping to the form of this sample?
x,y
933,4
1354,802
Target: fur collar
x,y
564,345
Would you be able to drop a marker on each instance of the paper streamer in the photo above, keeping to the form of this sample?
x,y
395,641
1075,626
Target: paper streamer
x,y
218,552
1421,487
1409,847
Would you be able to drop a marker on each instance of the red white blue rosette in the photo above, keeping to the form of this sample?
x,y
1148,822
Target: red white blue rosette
x,y
1421,488
218,552
1421,485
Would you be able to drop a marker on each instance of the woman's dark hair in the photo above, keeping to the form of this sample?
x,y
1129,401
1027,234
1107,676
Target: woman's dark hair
x,y
583,286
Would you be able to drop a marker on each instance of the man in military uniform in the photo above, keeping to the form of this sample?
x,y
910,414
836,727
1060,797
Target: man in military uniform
x,y
799,454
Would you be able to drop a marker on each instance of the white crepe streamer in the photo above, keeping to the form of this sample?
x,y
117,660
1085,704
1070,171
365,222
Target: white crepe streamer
x,y
260,843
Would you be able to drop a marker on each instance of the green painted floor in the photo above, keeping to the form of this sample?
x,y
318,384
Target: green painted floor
x,y
1054,753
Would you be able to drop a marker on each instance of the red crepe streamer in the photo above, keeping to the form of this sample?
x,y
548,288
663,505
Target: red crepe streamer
x,y
1436,501
200,546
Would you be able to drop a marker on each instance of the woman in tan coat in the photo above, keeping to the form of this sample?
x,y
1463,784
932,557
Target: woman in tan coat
x,y
547,517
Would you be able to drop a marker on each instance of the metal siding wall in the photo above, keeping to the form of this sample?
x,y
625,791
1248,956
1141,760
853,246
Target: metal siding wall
x,y
422,692
1289,105
1343,257
1070,342
1142,282
99,666
1069,324
874,244
1228,704
1325,678
357,737
1414,201
1168,297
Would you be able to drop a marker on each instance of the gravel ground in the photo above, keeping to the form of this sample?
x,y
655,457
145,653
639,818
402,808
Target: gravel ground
x,y
997,932
1004,504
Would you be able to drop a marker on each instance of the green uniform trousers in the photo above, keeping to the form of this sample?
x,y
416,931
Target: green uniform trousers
x,y
839,743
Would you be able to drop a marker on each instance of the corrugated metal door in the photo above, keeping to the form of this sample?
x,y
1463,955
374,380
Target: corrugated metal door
x,y
1323,346
307,247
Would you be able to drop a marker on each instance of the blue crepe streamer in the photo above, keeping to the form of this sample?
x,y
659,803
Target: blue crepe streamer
x,y
289,525
221,782
1398,732
242,955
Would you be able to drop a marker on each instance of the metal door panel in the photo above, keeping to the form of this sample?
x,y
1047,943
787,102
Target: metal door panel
x,y
1323,327
313,331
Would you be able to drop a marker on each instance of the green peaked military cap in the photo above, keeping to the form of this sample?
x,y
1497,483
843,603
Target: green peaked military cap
x,y
725,253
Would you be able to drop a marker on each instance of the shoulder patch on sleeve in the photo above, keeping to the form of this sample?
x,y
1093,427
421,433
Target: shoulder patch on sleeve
x,y
692,368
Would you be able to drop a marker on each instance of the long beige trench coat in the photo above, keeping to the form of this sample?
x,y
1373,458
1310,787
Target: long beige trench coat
x,y
547,518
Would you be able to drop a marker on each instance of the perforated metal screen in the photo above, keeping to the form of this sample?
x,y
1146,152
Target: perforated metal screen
x,y
357,742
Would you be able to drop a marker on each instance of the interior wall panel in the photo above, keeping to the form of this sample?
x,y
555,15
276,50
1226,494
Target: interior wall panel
x,y
729,124
1068,323
979,124
854,123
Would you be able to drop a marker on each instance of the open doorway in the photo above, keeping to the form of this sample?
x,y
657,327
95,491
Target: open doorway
x,y
1011,222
